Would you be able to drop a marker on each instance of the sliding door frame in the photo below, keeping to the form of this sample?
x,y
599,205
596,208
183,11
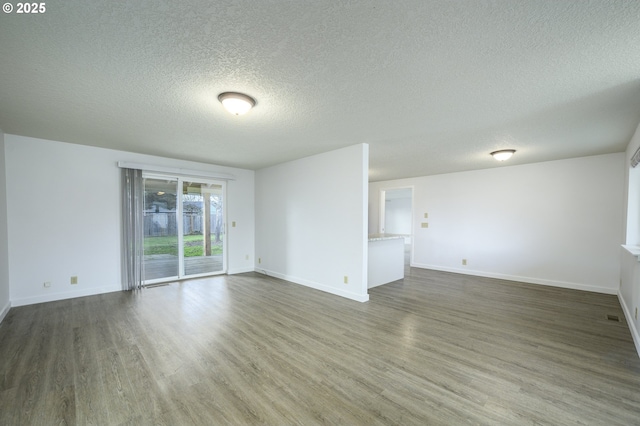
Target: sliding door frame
x,y
179,180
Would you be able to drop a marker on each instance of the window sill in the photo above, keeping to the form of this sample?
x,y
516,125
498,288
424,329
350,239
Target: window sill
x,y
634,250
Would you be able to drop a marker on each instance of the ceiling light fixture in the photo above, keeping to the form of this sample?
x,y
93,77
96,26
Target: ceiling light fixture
x,y
236,103
503,154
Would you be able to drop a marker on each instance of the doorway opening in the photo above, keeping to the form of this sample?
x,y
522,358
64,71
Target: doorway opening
x,y
396,216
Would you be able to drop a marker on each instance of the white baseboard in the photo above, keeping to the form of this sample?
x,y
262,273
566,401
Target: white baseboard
x,y
4,311
529,280
349,295
62,296
632,324
240,271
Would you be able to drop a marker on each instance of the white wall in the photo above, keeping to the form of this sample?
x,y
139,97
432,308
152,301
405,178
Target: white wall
x,y
629,294
397,215
557,223
5,303
64,217
311,225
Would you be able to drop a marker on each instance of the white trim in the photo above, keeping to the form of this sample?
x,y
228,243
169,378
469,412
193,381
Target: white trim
x,y
349,295
175,171
382,210
634,250
179,280
66,295
5,311
241,270
631,322
203,275
528,280
382,214
363,289
180,226
225,230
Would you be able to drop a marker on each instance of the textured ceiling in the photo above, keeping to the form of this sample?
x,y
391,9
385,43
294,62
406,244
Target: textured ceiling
x,y
432,86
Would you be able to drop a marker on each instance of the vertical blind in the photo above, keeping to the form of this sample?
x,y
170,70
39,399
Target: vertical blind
x,y
132,238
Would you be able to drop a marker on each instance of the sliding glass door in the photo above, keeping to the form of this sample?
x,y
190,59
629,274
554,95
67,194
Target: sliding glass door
x,y
202,228
161,254
184,230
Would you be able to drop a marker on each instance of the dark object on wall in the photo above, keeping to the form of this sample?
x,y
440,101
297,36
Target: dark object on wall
x,y
636,158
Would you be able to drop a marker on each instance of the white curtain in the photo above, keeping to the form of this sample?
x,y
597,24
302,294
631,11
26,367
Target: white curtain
x,y
133,237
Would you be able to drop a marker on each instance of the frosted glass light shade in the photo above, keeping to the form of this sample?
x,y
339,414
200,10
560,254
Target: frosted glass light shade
x,y
236,103
503,154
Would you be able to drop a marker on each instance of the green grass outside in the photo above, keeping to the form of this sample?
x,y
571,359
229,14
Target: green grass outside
x,y
193,246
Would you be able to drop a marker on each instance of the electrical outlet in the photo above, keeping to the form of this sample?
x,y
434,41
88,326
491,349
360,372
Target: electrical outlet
x,y
346,279
259,260
464,262
74,280
233,224
425,225
47,284
426,215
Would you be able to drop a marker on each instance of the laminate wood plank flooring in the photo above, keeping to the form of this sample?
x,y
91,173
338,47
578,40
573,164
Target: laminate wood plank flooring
x,y
433,349
165,265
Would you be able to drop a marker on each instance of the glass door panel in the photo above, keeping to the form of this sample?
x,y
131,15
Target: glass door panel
x,y
161,257
203,228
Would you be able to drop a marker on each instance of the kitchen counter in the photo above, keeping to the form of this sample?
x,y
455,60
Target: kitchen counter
x,y
386,259
381,237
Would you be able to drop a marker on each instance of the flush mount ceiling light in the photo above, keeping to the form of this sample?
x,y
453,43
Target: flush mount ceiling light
x,y
503,154
236,103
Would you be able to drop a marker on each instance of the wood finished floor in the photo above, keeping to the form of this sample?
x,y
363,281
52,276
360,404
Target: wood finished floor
x,y
435,348
158,266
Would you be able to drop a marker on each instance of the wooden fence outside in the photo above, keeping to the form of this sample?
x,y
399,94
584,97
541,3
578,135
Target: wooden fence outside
x,y
164,224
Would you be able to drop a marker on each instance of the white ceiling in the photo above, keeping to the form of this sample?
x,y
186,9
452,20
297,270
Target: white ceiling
x,y
432,86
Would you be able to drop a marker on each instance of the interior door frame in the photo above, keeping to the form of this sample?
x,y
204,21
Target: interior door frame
x,y
382,212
